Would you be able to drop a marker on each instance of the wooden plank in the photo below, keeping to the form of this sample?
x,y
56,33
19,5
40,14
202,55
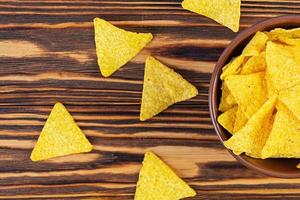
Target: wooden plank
x,y
47,54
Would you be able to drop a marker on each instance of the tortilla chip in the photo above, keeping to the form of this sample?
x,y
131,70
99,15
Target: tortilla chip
x,y
158,181
298,166
291,99
162,88
225,12
240,120
115,47
227,100
292,33
284,140
256,45
283,65
253,136
288,37
230,100
270,86
227,119
249,91
255,64
60,136
289,41
233,67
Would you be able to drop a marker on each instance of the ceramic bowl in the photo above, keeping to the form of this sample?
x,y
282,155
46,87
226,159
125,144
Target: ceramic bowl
x,y
283,168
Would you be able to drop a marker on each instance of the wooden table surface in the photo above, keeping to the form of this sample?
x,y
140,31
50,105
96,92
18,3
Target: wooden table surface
x,y
47,54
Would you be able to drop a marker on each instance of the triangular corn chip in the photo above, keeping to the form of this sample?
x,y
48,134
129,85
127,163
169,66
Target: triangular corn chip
x,y
289,41
157,181
255,64
291,99
283,66
227,100
225,12
233,67
253,136
251,60
60,136
227,119
162,88
284,140
292,33
248,90
240,120
298,166
115,47
271,90
289,37
256,45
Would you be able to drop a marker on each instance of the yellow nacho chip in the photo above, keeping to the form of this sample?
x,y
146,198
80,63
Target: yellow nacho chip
x,y
256,45
157,181
289,37
284,140
227,100
276,56
270,86
283,66
233,67
162,88
291,99
255,64
292,33
240,120
289,41
115,47
298,166
249,91
230,100
60,136
253,136
227,119
225,12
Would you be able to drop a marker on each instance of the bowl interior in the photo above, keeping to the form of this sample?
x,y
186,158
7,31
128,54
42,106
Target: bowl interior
x,y
284,168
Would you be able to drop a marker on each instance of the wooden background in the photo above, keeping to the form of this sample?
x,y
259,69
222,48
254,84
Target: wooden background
x,y
47,54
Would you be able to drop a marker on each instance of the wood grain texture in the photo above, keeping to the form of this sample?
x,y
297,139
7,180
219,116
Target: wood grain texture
x,y
47,54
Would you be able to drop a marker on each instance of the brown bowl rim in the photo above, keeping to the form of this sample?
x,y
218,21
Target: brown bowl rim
x,y
265,25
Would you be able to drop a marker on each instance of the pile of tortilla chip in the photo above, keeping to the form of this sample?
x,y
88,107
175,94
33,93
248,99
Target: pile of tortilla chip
x,y
260,100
